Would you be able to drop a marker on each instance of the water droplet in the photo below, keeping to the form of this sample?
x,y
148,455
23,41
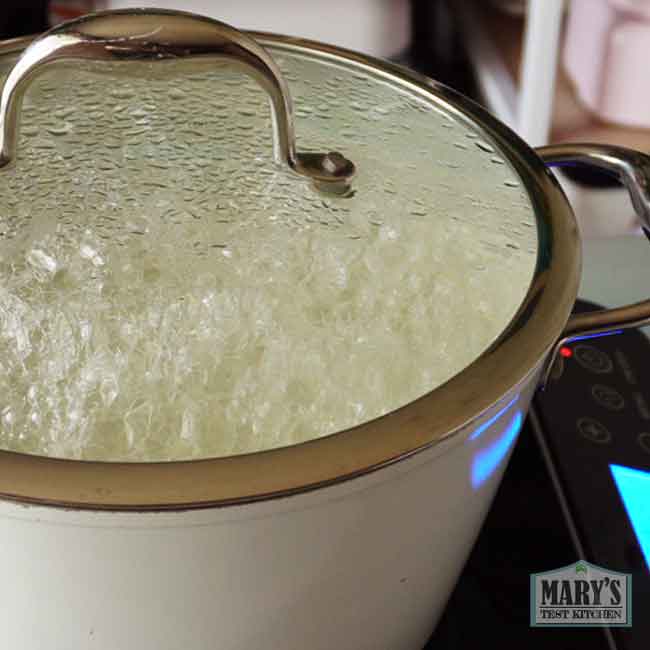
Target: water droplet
x,y
484,146
61,129
123,93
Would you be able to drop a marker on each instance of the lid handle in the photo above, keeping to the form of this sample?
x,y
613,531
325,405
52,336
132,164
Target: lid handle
x,y
160,36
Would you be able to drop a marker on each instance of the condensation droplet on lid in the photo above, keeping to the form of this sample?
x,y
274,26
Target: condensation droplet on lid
x,y
484,146
62,129
123,93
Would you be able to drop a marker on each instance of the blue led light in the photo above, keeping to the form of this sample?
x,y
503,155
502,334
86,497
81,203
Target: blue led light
x,y
492,420
488,460
634,487
584,337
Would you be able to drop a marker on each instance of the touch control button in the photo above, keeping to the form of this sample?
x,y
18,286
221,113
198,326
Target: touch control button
x,y
593,431
593,359
644,441
608,397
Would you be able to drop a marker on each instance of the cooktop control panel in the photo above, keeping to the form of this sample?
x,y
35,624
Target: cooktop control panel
x,y
593,422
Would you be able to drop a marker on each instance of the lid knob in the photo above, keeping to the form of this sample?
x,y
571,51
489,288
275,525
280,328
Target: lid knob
x,y
161,36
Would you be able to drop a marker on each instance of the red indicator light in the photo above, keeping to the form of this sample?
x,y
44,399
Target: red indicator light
x,y
566,352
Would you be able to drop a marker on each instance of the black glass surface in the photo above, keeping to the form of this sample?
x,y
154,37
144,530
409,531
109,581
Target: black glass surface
x,y
562,459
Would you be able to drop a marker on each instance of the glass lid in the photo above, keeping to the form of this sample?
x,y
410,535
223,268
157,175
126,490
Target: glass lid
x,y
169,291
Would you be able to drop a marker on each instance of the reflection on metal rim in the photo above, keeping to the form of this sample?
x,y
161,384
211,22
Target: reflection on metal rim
x,y
509,363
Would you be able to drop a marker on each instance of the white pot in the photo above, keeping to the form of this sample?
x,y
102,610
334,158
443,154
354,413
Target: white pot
x,y
351,541
365,564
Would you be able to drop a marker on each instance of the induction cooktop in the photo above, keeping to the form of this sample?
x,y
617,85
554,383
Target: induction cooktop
x,y
577,488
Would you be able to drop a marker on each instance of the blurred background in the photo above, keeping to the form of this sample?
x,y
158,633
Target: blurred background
x,y
553,70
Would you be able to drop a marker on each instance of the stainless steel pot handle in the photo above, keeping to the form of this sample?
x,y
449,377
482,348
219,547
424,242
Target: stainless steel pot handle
x,y
162,37
632,168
